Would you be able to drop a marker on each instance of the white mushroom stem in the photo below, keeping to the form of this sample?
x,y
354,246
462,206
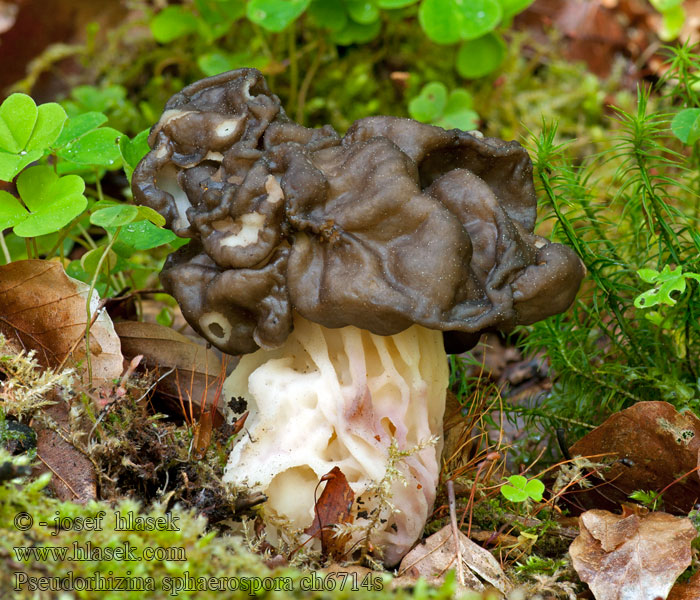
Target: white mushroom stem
x,y
339,397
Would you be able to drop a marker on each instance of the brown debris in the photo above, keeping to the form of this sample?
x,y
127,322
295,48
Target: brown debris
x,y
624,557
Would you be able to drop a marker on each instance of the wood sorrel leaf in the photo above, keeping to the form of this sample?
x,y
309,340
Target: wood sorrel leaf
x,y
53,201
99,147
49,122
18,114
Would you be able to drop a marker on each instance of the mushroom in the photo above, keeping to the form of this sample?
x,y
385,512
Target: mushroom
x,y
342,268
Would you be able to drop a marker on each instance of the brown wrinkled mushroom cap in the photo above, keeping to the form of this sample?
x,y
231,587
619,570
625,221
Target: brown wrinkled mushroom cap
x,y
396,223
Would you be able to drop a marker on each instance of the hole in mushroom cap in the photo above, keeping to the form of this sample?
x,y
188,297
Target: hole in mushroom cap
x,y
215,326
273,189
166,180
246,228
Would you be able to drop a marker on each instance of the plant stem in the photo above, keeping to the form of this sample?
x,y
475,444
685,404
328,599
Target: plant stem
x,y
5,249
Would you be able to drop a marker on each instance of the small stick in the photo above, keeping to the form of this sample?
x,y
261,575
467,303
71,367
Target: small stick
x,y
455,530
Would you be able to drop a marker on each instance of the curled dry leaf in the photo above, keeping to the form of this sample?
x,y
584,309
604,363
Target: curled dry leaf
x,y
436,555
631,557
659,443
43,309
333,508
195,368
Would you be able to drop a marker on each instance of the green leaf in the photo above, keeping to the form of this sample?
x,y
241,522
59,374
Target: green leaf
x,y
515,492
115,216
672,23
50,120
18,114
80,125
392,4
355,33
448,21
330,14
429,105
132,151
362,11
142,235
148,214
214,63
276,15
664,5
686,125
666,282
90,260
164,317
171,23
458,113
99,148
11,211
513,7
520,489
477,58
53,201
11,164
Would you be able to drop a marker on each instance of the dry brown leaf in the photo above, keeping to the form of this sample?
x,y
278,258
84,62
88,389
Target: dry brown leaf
x,y
690,590
195,367
631,557
43,309
659,443
436,555
74,477
332,508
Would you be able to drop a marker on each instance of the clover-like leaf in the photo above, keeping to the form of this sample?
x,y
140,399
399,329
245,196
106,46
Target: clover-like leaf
x,y
50,120
11,164
362,11
171,23
686,125
356,33
142,235
448,21
276,15
99,147
666,283
11,211
479,57
513,7
458,113
430,103
115,216
53,201
80,125
214,63
18,115
392,4
330,14
133,150
519,489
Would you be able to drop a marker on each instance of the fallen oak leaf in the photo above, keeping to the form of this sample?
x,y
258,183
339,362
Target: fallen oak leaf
x,y
333,507
657,444
631,557
43,309
436,555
